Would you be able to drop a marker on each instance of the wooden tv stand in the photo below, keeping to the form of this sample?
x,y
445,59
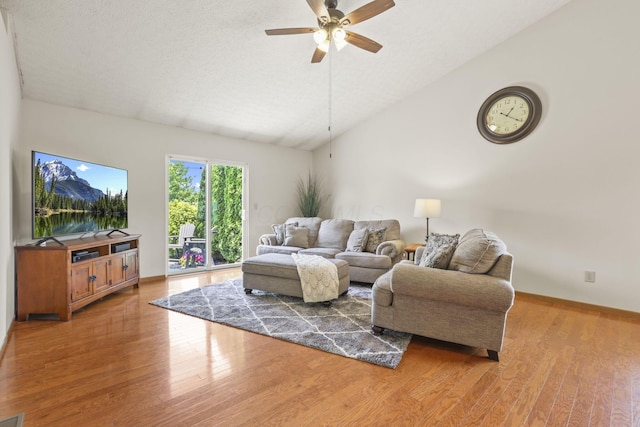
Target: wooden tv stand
x,y
59,279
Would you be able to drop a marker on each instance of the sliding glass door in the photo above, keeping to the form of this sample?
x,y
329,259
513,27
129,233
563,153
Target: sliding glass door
x,y
205,214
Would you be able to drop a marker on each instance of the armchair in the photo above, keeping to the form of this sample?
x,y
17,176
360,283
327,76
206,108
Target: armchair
x,y
446,304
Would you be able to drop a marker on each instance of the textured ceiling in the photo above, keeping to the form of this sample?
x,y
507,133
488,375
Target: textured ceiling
x,y
207,65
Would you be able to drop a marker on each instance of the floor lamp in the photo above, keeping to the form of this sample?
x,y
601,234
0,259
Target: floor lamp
x,y
427,208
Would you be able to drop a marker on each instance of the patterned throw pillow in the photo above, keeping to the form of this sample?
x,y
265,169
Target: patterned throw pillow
x,y
296,236
436,241
439,258
278,229
357,240
376,236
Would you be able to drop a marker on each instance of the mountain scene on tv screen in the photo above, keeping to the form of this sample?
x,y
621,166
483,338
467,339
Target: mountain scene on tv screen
x,y
64,203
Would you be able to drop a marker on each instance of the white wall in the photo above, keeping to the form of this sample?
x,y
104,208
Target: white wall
x,y
141,148
9,124
565,199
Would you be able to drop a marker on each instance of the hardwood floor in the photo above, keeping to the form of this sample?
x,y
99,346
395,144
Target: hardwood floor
x,y
123,362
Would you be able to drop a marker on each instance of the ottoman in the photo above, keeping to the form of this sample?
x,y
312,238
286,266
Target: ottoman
x,y
278,273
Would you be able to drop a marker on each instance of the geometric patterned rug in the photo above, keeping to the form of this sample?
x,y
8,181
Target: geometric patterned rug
x,y
344,328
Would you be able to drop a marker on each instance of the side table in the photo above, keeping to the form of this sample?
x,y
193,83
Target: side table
x,y
411,250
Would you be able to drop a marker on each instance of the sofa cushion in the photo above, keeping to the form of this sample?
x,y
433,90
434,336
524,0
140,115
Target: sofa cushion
x,y
334,233
435,242
375,237
357,240
278,230
311,223
296,236
477,252
365,260
323,252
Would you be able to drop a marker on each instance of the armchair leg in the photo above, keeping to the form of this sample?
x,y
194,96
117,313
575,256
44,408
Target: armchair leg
x,y
493,355
377,330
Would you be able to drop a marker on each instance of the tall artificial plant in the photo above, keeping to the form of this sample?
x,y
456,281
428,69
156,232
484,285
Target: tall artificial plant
x,y
310,196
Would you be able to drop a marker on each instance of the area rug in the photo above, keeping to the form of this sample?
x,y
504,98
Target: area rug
x,y
343,328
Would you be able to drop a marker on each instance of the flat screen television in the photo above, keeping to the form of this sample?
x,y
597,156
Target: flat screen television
x,y
76,197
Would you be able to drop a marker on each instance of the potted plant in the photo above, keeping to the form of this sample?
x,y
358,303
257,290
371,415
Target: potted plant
x,y
310,197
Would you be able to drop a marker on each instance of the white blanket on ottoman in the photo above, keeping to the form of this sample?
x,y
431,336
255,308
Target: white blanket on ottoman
x,y
318,278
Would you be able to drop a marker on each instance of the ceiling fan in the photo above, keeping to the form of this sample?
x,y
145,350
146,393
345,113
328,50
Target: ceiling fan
x,y
332,23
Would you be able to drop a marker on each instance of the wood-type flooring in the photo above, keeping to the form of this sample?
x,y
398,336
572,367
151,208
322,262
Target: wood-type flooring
x,y
124,362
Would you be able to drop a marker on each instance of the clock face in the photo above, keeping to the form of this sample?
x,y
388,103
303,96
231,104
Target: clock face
x,y
507,115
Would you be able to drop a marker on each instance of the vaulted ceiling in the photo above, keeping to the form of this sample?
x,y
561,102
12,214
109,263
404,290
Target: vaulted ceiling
x,y
208,65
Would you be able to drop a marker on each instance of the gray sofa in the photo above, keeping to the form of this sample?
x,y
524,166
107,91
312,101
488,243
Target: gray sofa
x,y
338,238
465,302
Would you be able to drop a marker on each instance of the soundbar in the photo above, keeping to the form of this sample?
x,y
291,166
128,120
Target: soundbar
x,y
121,247
83,255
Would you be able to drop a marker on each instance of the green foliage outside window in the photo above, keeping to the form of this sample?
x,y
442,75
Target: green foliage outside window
x,y
187,204
226,208
180,184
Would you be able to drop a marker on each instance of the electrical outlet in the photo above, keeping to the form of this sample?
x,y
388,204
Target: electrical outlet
x,y
590,276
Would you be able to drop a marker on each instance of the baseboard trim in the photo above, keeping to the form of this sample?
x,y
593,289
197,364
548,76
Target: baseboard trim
x,y
6,340
580,305
151,279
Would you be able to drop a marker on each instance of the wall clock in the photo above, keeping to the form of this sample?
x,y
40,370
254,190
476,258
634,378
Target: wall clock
x,y
509,115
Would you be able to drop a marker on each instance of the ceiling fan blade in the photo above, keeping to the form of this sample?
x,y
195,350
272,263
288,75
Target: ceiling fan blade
x,y
362,42
285,31
320,10
368,11
318,55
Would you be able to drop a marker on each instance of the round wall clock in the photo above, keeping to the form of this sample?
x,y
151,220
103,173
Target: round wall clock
x,y
509,115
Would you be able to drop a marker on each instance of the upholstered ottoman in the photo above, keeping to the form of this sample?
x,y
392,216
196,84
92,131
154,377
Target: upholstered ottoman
x,y
278,273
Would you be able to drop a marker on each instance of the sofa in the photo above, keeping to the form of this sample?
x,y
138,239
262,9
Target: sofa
x,y
465,299
370,247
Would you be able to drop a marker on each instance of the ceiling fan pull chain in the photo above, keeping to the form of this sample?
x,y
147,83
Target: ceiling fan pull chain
x,y
330,103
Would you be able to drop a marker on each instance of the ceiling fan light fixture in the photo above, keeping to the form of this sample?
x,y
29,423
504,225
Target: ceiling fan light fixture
x,y
331,23
339,35
339,38
320,36
324,46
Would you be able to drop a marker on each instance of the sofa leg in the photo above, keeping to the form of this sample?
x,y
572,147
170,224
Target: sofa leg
x,y
377,330
493,355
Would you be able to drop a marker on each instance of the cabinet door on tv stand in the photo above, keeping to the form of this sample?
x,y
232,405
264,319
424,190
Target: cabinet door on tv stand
x,y
101,274
117,269
81,283
131,263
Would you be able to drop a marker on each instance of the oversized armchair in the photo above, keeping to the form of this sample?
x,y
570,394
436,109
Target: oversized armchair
x,y
458,303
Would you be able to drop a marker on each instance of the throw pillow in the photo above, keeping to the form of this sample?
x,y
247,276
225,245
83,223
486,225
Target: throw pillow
x,y
278,230
296,236
440,257
375,237
436,241
334,233
477,252
357,240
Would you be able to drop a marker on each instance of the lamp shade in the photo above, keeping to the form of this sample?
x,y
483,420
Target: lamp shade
x,y
427,208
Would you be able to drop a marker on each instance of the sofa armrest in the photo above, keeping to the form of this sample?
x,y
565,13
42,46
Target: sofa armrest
x,y
417,256
268,239
474,290
391,248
